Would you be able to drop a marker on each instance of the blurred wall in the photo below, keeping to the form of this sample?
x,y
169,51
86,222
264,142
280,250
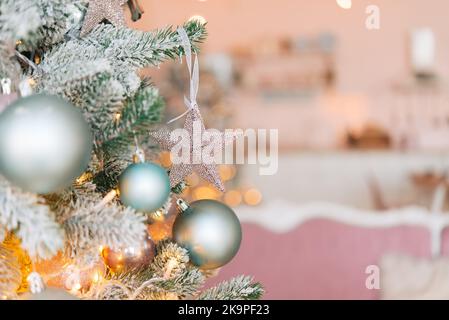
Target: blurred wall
x,y
366,59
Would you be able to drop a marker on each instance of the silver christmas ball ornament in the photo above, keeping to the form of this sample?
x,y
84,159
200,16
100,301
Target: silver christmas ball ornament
x,y
144,187
45,143
210,231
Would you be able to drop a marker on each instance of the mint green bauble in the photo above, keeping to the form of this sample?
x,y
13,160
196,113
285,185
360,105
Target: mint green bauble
x,y
144,187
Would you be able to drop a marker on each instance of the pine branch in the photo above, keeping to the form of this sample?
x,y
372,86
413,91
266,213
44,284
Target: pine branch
x,y
90,86
184,285
2,233
238,288
89,226
9,66
139,113
107,179
137,49
37,23
169,258
61,201
10,275
169,276
12,16
172,272
31,219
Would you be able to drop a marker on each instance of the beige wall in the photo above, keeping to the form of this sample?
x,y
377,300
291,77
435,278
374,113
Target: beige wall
x,y
366,59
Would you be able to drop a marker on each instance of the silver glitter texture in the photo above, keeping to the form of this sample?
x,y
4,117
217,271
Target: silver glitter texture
x,y
179,172
100,10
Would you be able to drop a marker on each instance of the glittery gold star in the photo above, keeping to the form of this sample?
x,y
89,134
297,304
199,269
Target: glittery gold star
x,y
100,10
179,171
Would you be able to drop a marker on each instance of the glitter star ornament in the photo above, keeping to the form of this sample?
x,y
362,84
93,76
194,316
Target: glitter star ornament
x,y
194,127
100,10
207,170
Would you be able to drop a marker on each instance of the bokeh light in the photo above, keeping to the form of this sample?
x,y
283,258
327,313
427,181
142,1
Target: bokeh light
x,y
233,198
252,197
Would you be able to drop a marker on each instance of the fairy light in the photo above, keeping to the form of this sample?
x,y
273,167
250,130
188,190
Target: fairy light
x,y
252,197
83,178
158,215
233,198
32,82
198,18
97,277
344,4
205,192
227,172
107,198
76,287
37,59
117,117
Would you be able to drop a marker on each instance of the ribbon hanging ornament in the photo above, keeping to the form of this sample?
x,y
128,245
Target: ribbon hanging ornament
x,y
194,129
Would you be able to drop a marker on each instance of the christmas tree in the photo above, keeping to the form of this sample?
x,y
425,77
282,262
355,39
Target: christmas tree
x,y
75,145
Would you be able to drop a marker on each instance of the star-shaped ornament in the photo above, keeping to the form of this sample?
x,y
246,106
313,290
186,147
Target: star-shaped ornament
x,y
100,10
179,171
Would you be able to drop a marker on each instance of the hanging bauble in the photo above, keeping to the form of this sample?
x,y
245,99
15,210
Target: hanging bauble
x,y
209,230
130,258
144,186
45,143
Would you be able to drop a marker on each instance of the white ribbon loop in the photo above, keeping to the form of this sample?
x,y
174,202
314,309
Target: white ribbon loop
x,y
194,74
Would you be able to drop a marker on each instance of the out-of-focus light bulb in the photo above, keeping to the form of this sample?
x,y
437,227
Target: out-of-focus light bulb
x,y
252,197
205,192
345,4
77,286
233,198
96,277
199,18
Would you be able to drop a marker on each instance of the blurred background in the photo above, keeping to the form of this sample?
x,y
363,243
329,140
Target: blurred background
x,y
363,120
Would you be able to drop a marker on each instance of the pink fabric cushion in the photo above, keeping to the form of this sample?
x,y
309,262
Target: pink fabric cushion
x,y
320,259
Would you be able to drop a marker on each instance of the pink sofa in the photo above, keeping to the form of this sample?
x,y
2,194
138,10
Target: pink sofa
x,y
321,259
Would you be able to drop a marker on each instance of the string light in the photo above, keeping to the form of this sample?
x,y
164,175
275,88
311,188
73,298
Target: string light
x,y
198,18
252,197
32,82
83,178
227,172
345,4
117,117
205,192
233,198
97,277
37,59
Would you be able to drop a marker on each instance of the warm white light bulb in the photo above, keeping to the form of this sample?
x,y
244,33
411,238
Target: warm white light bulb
x,y
345,4
199,18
